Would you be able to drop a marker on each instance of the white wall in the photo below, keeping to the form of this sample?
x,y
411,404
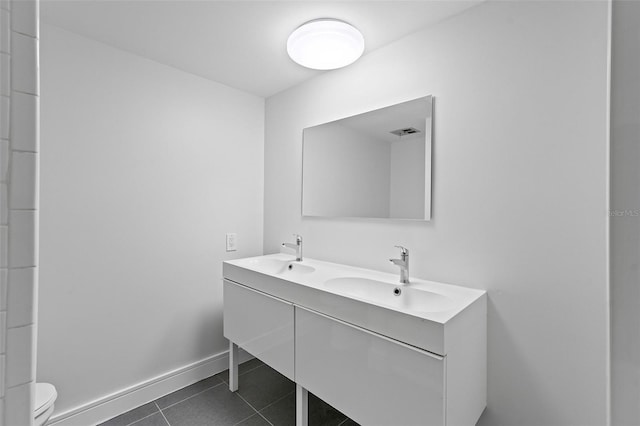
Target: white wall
x,y
144,170
347,173
19,145
407,177
520,189
625,214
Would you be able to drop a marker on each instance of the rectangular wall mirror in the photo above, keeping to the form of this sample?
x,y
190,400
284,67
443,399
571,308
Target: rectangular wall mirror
x,y
371,165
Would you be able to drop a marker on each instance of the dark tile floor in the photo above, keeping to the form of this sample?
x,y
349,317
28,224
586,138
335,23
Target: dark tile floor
x,y
265,397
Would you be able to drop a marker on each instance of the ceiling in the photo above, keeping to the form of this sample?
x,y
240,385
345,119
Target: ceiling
x,y
238,43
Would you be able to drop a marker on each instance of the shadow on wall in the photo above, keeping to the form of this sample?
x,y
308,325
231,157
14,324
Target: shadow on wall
x,y
498,329
209,330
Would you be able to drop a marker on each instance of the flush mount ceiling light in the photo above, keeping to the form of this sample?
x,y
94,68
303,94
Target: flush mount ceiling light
x,y
325,44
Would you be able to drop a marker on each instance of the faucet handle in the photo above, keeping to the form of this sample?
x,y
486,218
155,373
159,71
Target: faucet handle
x,y
403,250
298,238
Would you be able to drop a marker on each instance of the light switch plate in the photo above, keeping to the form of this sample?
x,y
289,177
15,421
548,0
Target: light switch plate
x,y
232,242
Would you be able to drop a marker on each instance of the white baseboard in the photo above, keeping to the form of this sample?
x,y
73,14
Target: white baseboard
x,y
109,406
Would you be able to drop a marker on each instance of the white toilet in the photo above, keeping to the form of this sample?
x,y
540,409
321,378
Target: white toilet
x,y
46,395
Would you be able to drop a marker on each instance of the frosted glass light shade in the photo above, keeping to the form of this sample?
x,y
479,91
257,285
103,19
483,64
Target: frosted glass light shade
x,y
325,44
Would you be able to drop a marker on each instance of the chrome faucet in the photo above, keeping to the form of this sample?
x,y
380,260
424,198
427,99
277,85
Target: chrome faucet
x,y
297,247
403,263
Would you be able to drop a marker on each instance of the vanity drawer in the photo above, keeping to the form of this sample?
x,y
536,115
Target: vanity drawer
x,y
372,379
260,324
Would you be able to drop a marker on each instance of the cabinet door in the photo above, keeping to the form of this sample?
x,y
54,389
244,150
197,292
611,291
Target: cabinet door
x,y
372,379
260,324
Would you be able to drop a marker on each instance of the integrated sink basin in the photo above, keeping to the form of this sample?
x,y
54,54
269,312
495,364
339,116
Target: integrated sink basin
x,y
279,266
396,296
393,295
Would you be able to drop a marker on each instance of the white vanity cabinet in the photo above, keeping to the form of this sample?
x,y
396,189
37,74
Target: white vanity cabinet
x,y
382,364
260,324
372,379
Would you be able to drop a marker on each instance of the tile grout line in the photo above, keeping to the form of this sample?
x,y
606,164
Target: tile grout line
x,y
246,418
265,419
254,368
189,397
222,382
251,406
139,420
245,372
258,412
278,400
254,409
162,414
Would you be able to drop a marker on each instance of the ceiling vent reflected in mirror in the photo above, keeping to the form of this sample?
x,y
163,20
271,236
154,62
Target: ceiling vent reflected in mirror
x,y
405,131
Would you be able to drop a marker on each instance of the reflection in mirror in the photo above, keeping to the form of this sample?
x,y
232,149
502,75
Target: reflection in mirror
x,y
371,165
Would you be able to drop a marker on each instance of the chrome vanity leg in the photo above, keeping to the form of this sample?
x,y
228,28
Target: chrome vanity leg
x,y
233,366
302,406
